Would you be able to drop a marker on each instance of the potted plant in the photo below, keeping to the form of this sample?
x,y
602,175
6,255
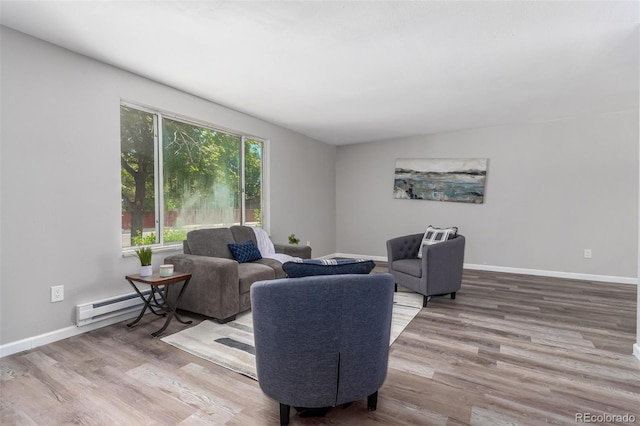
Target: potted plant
x,y
144,253
293,239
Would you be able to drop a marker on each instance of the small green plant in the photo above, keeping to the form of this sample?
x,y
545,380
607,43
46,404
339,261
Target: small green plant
x,y
144,254
143,251
293,239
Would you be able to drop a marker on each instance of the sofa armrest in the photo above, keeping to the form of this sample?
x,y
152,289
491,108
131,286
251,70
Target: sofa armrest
x,y
303,252
214,289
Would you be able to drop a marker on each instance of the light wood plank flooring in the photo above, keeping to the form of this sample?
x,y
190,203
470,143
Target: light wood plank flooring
x,y
510,349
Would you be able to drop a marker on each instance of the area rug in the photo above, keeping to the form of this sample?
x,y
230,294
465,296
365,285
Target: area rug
x,y
231,345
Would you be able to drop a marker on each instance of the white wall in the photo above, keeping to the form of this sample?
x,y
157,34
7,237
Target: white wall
x,y
553,189
60,180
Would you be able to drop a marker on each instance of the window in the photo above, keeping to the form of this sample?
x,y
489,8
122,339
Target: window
x,y
178,176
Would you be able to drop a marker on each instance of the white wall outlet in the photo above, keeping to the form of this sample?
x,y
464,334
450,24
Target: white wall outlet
x,y
309,243
57,293
587,253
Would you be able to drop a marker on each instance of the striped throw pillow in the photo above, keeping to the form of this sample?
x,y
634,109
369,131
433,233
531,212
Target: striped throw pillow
x,y
436,235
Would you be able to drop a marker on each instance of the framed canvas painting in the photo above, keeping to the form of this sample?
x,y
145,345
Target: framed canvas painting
x,y
441,179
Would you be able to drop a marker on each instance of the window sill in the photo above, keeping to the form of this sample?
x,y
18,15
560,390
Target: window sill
x,y
131,251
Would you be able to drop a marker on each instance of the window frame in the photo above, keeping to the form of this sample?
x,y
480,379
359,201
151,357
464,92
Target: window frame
x,y
159,213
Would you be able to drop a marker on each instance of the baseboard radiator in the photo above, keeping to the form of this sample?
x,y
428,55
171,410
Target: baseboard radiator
x,y
100,310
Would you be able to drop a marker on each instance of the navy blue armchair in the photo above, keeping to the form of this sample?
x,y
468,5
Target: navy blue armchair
x,y
322,341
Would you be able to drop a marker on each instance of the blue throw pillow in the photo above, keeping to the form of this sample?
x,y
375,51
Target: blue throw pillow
x,y
245,252
311,267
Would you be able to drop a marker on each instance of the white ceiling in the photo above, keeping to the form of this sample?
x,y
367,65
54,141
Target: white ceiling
x,y
348,72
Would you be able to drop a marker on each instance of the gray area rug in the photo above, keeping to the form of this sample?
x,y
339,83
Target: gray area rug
x,y
231,345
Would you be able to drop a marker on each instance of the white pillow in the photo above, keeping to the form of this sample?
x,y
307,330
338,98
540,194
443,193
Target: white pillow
x,y
436,235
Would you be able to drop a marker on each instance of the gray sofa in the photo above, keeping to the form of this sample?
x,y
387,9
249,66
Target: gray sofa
x,y
219,287
327,345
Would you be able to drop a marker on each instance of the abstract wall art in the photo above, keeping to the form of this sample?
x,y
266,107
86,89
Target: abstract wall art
x,y
441,179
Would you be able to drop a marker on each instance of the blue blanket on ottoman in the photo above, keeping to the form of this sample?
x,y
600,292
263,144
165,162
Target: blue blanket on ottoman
x,y
310,267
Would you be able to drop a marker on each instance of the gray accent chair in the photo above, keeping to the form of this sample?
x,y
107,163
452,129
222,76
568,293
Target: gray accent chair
x,y
322,341
438,272
219,287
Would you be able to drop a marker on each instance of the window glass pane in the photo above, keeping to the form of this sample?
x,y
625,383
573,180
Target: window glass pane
x,y
201,178
137,176
253,181
189,179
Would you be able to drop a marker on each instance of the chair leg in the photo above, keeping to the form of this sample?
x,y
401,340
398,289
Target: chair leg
x,y
284,414
372,401
396,289
425,299
453,295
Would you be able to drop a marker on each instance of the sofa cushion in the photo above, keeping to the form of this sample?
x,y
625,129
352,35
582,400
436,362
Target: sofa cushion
x,y
243,233
250,272
436,235
245,252
274,264
311,267
210,242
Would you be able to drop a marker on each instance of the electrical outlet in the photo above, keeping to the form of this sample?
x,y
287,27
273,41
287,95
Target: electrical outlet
x,y
587,253
309,243
57,293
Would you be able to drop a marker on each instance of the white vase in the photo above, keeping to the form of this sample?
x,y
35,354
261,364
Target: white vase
x,y
146,270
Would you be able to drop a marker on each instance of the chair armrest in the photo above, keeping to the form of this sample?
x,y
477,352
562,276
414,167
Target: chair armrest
x,y
443,265
405,247
303,252
214,289
446,252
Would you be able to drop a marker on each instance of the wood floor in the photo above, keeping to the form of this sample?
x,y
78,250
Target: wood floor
x,y
510,349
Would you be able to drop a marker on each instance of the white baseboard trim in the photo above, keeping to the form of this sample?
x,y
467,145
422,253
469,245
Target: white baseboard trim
x,y
554,274
54,336
636,350
537,272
